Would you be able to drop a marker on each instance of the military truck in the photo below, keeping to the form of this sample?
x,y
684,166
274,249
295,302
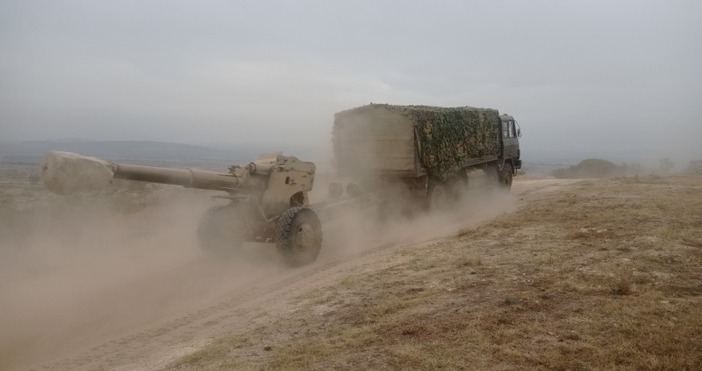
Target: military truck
x,y
424,152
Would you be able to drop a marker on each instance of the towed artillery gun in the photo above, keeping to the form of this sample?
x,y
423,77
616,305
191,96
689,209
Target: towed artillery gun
x,y
269,199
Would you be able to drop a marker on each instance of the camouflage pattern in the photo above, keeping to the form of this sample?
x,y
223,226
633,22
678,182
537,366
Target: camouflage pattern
x,y
450,138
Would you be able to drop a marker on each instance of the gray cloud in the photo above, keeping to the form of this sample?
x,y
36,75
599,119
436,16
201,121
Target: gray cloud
x,y
584,75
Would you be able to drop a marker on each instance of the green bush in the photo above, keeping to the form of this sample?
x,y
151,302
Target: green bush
x,y
695,166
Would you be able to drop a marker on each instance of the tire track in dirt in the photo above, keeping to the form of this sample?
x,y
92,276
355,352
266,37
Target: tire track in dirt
x,y
197,328
156,346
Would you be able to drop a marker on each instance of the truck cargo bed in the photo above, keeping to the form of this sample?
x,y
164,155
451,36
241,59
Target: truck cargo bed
x,y
415,140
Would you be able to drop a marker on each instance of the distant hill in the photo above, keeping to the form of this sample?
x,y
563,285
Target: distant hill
x,y
131,151
215,157
110,149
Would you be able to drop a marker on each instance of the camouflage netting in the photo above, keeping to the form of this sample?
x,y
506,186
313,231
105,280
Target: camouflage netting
x,y
450,137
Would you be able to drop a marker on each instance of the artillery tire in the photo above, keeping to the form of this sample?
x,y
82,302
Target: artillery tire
x,y
221,230
299,236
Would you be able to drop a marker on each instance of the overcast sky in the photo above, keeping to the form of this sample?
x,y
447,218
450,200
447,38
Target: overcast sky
x,y
578,75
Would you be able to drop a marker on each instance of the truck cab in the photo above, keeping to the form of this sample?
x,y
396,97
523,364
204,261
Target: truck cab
x,y
510,141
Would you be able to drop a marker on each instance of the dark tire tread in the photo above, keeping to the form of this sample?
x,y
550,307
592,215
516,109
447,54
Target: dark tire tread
x,y
287,224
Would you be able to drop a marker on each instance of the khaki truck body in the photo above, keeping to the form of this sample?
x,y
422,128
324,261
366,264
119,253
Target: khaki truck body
x,y
425,147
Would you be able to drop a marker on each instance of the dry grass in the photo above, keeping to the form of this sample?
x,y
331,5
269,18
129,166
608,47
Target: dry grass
x,y
605,274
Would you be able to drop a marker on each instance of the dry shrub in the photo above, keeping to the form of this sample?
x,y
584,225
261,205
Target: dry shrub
x,y
597,168
552,294
623,286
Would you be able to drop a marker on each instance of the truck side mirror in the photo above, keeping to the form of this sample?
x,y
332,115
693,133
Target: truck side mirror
x,y
519,132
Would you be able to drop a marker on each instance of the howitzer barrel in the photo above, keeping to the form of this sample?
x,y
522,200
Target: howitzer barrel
x,y
65,172
191,178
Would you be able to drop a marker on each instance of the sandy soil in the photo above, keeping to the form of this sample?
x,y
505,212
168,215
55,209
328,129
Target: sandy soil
x,y
84,287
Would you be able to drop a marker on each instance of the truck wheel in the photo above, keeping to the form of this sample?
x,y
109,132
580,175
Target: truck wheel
x,y
439,196
459,188
505,176
299,236
222,229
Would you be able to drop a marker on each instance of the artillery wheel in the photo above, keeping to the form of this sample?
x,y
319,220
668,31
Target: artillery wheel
x,y
299,236
335,191
222,229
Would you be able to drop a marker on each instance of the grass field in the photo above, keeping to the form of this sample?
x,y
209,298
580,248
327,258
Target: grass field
x,y
601,274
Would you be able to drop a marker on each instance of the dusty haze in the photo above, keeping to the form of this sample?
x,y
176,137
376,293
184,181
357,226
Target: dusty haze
x,y
79,270
600,78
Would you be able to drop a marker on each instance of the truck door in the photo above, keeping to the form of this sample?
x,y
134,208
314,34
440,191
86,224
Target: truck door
x,y
510,139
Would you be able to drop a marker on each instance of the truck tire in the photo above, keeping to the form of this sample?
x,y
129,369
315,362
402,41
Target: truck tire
x,y
438,197
459,188
298,236
222,229
505,176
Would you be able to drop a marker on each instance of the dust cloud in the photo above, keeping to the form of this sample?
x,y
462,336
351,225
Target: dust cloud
x,y
359,231
83,269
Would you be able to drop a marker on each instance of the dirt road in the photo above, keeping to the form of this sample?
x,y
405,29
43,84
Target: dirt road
x,y
95,291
